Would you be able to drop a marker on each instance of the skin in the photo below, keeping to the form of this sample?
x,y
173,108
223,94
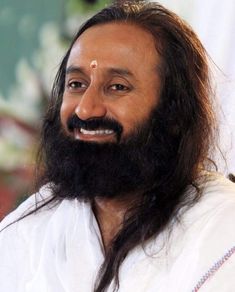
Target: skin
x,y
125,86
94,64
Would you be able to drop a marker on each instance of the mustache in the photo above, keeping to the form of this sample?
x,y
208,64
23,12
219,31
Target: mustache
x,y
74,122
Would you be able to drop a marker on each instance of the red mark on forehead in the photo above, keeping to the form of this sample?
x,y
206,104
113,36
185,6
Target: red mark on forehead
x,y
94,64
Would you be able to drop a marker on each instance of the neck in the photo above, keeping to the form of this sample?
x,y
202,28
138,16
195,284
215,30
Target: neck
x,y
110,215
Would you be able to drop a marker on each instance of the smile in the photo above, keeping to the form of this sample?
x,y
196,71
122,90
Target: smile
x,y
93,135
96,132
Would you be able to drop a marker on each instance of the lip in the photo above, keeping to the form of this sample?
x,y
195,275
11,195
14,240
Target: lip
x,y
85,135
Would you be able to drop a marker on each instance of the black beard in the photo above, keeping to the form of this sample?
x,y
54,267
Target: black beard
x,y
87,169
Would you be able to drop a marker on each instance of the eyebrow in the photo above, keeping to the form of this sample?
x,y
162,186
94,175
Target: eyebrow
x,y
111,71
120,71
74,69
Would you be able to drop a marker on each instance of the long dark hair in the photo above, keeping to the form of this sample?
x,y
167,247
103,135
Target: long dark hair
x,y
185,113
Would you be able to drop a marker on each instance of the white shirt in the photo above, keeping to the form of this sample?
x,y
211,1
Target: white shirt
x,y
59,249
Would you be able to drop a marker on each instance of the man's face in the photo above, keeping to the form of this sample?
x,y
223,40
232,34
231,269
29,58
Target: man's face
x,y
112,73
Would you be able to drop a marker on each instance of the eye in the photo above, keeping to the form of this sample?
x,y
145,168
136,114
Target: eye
x,y
76,85
119,87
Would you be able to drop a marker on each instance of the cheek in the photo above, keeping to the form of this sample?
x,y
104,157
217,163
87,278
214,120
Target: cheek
x,y
134,110
66,111
128,114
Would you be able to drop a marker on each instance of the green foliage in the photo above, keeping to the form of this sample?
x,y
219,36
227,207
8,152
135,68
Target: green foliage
x,y
33,44
83,7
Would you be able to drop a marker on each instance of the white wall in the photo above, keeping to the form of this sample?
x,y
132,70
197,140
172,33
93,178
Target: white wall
x,y
214,22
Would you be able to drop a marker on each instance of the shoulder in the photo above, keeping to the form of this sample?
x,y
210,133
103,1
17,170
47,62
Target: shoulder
x,y
215,210
38,214
216,183
23,237
29,205
218,196
16,235
31,218
203,241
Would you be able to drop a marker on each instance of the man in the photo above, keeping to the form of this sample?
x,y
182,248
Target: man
x,y
128,203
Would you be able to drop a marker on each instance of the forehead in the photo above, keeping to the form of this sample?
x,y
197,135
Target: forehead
x,y
115,45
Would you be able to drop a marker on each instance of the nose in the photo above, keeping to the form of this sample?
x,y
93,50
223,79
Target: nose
x,y
91,105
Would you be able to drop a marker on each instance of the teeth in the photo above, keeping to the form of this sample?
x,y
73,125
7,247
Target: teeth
x,y
76,134
97,132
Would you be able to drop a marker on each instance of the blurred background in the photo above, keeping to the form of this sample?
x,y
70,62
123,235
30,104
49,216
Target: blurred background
x,y
34,38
